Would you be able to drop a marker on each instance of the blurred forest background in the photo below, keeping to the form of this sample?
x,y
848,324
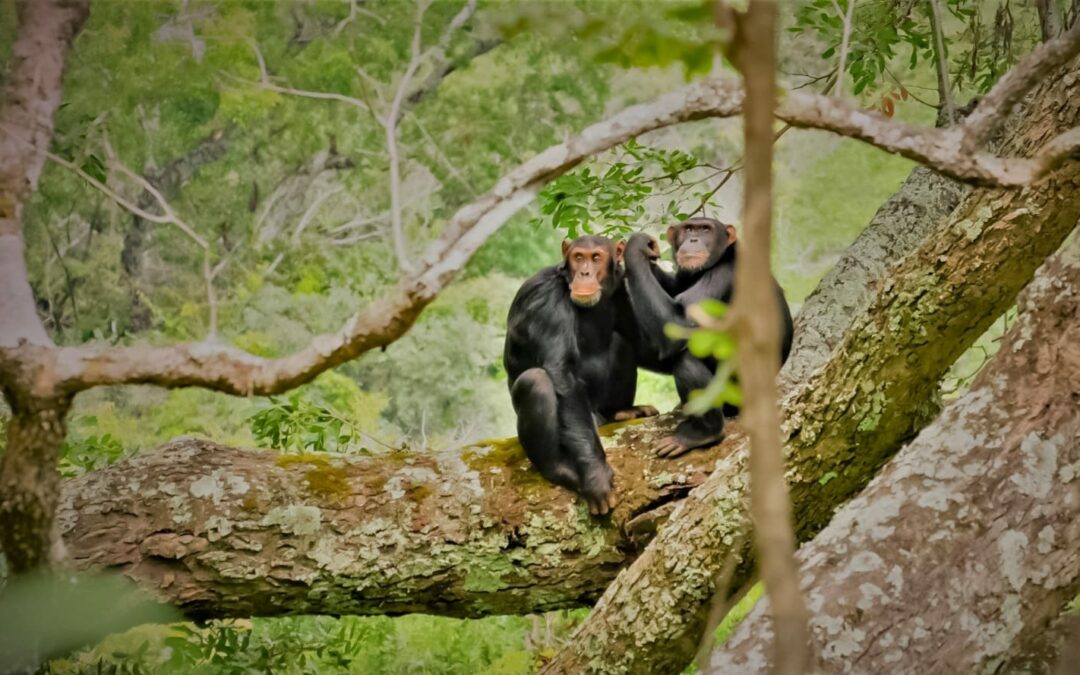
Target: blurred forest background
x,y
290,226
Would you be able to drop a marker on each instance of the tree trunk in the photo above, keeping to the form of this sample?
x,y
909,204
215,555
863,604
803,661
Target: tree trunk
x,y
852,414
965,549
1051,19
902,222
221,532
30,484
35,433
755,314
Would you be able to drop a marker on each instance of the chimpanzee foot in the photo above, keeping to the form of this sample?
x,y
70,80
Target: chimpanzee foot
x,y
681,442
599,490
602,506
636,412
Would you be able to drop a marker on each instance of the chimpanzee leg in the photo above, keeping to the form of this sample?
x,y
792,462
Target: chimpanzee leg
x,y
537,410
559,436
693,432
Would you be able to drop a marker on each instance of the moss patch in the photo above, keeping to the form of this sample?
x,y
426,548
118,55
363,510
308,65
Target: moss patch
x,y
324,479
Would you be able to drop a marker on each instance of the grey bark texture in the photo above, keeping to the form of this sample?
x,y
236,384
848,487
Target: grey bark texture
x,y
852,414
221,532
966,548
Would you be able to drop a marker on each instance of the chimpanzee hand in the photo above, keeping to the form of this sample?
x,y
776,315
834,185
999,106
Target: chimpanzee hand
x,y
643,244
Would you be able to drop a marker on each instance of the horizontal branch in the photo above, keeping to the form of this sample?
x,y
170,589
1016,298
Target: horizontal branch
x,y
226,369
221,532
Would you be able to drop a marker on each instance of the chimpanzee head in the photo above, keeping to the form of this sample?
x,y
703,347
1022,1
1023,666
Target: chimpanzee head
x,y
698,243
591,266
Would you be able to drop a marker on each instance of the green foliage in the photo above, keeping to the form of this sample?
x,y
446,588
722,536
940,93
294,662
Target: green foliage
x,y
610,198
43,614
332,414
710,343
982,48
410,644
90,453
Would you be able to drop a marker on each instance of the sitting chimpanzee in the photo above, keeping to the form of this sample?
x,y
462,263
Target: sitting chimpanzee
x,y
704,251
569,370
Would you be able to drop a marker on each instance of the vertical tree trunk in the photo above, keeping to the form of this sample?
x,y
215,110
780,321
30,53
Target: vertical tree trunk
x,y
28,478
756,314
965,549
30,484
1051,19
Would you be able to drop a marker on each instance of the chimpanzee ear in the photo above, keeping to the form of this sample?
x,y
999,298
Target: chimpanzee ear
x,y
566,244
730,234
671,231
620,246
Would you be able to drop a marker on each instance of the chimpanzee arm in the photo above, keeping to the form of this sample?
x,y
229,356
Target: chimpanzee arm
x,y
653,305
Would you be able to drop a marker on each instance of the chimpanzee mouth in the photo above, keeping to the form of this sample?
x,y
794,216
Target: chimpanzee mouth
x,y
692,262
586,300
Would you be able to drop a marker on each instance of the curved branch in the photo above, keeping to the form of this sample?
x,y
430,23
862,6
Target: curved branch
x,y
226,369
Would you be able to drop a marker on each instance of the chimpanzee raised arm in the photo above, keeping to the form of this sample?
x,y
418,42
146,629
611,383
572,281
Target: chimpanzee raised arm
x,y
568,368
705,252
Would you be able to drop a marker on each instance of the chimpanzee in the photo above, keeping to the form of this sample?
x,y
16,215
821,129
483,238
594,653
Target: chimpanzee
x,y
569,370
704,250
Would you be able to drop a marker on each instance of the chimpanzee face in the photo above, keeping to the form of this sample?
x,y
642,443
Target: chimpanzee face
x,y
591,265
698,243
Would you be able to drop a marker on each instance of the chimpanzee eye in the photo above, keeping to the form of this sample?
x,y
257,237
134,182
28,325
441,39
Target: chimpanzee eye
x,y
596,257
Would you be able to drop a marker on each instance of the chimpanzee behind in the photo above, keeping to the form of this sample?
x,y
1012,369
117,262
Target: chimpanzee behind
x,y
704,250
568,368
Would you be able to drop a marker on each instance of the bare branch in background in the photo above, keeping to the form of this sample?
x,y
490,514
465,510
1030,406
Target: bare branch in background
x,y
844,42
755,319
394,115
354,10
945,100
383,321
1051,20
168,216
1015,84
311,210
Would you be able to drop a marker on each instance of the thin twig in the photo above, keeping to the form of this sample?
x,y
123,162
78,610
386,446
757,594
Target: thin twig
x,y
844,41
942,59
310,212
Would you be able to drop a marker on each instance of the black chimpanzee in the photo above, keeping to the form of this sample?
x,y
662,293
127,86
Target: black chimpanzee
x,y
569,370
704,251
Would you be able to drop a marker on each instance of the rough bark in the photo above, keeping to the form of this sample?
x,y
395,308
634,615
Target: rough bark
x,y
900,224
221,532
30,484
844,424
31,96
28,478
1051,18
964,550
853,413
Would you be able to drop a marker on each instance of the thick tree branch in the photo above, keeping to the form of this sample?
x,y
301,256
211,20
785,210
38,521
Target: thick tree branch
x,y
851,414
222,532
973,529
